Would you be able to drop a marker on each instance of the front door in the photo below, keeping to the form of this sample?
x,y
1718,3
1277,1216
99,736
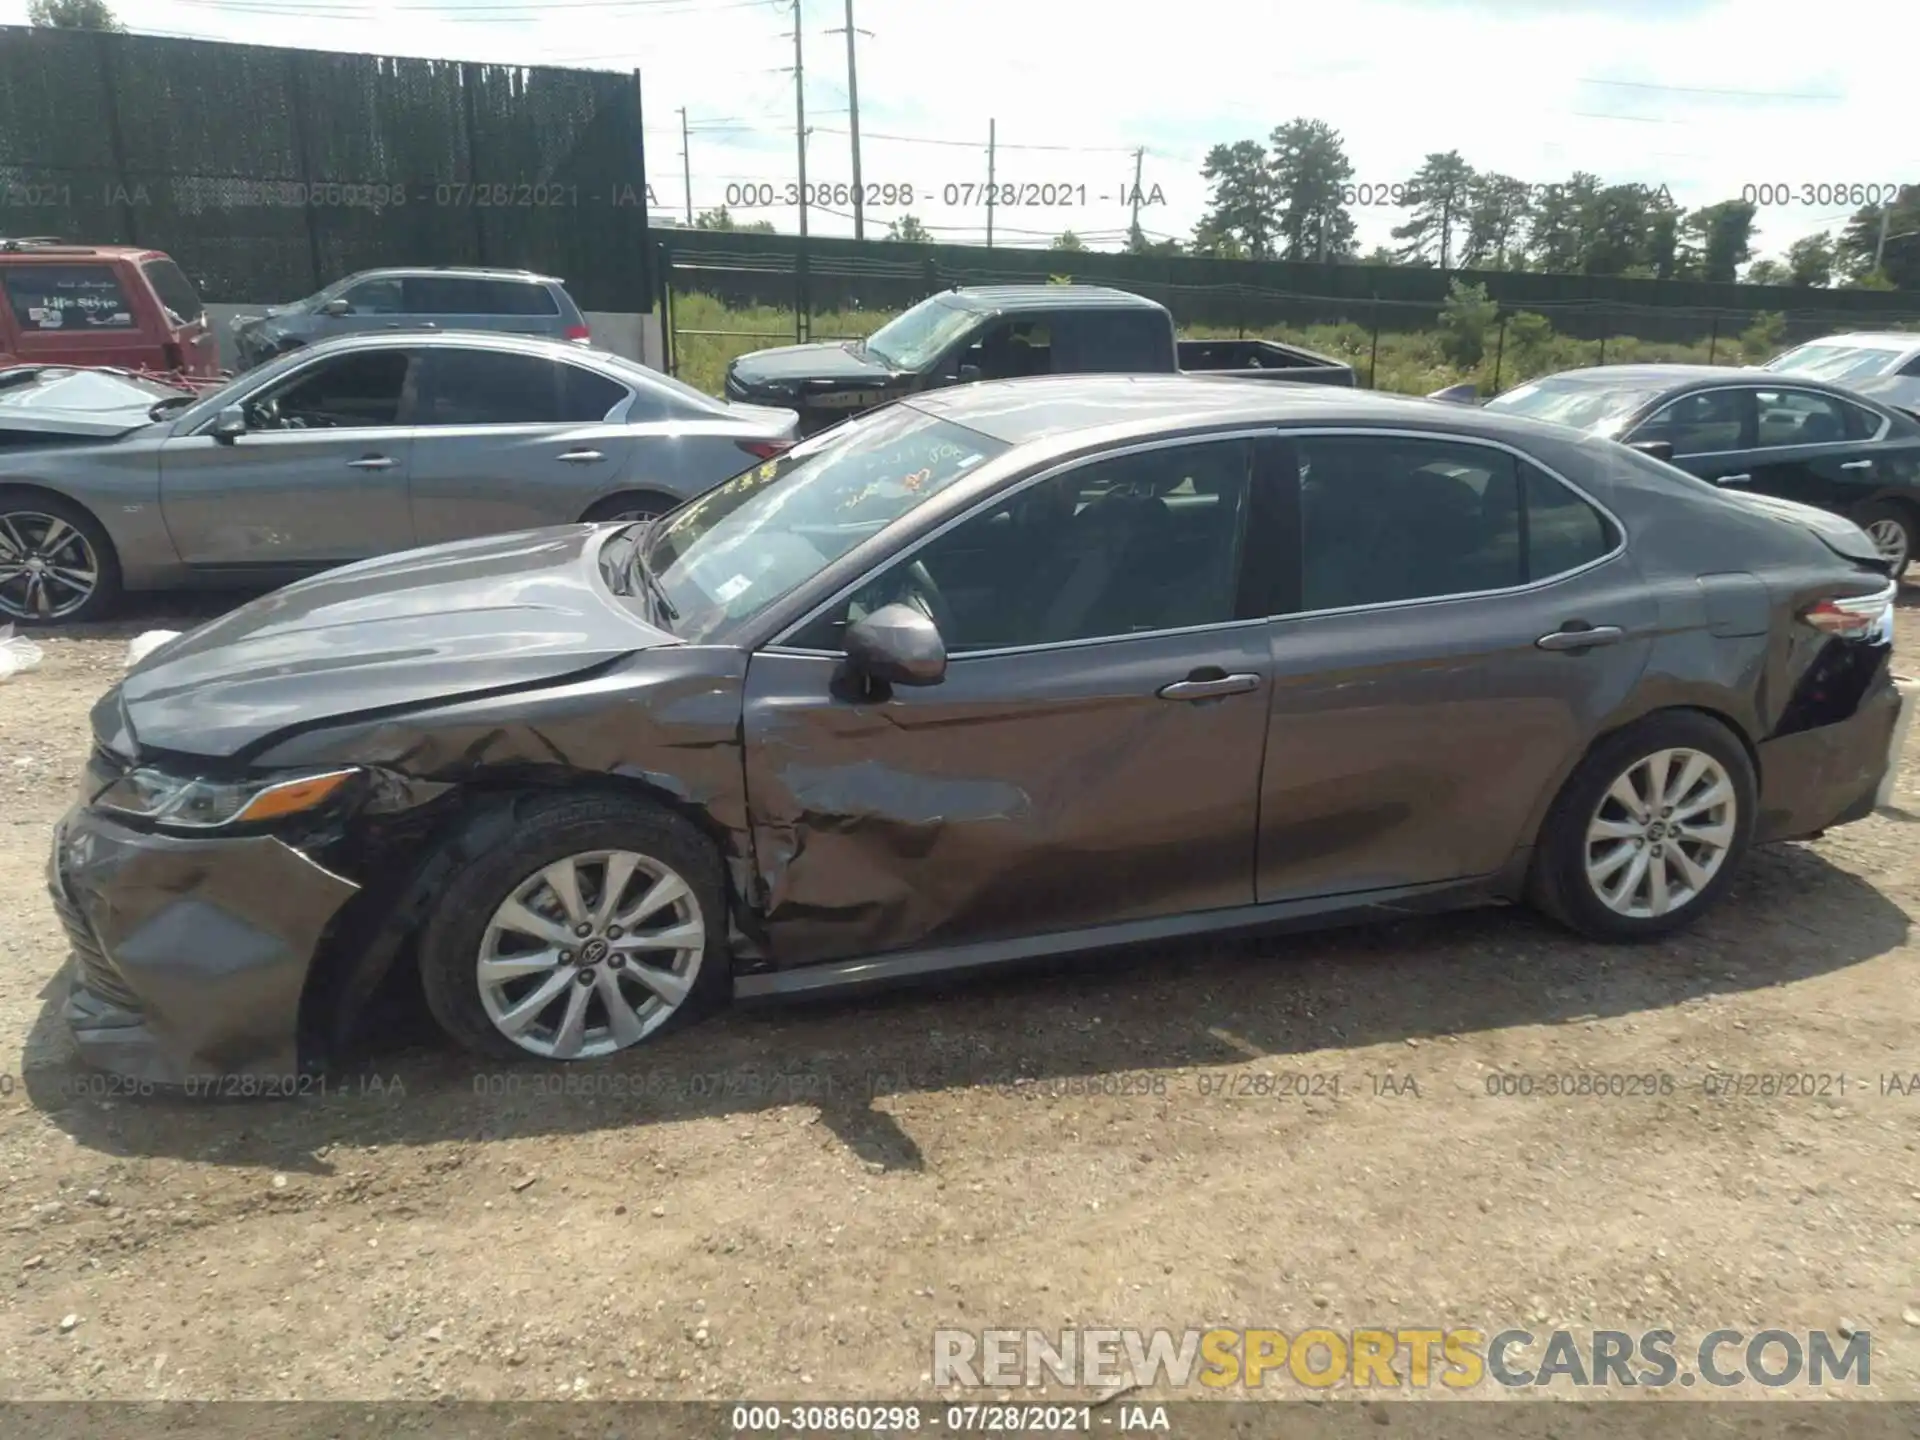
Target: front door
x,y
1092,755
505,441
1420,709
319,478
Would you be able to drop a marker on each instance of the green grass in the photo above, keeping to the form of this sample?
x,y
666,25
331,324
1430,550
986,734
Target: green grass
x,y
1410,362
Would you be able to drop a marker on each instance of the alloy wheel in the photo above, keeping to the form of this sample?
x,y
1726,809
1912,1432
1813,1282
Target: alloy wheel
x,y
1889,537
47,567
591,954
1661,833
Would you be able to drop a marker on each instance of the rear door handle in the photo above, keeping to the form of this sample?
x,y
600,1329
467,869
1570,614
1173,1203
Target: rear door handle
x,y
1208,689
1581,639
581,457
1734,480
1858,465
371,462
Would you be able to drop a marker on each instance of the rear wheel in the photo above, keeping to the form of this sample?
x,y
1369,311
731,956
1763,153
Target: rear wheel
x,y
1649,830
1891,528
56,562
601,923
634,505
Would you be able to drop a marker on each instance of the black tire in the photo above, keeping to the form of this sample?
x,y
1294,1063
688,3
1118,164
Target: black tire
x,y
1881,512
22,507
1559,882
648,503
543,829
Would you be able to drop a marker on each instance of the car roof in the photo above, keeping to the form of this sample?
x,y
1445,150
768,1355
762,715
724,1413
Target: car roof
x,y
1870,340
462,339
1002,299
1677,379
1102,408
468,272
40,248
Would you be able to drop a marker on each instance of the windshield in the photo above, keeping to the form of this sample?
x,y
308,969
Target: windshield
x,y
1584,405
915,339
742,546
1836,362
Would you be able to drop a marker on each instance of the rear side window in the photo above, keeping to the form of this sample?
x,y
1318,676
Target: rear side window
x,y
1912,367
176,292
1564,532
1797,417
512,297
66,297
586,397
1396,519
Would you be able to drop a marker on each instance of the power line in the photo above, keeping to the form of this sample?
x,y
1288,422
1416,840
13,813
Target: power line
x,y
975,144
1710,90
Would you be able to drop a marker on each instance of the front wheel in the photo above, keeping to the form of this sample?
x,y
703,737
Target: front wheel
x,y
599,924
56,562
1649,830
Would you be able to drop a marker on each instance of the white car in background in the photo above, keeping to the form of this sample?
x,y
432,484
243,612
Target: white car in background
x,y
1883,364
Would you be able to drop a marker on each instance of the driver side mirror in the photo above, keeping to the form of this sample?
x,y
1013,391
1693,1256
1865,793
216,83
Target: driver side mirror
x,y
229,425
897,644
337,307
1658,449
969,374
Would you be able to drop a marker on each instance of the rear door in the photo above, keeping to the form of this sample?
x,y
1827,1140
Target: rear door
x,y
507,441
1822,450
320,479
1430,682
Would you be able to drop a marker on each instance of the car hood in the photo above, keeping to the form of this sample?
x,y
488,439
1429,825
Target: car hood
x,y
1840,534
90,404
791,363
420,627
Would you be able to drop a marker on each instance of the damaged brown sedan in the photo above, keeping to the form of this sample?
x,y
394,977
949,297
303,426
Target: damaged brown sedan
x,y
1008,670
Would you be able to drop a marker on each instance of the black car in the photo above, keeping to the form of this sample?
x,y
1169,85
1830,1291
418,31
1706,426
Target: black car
x,y
1773,434
1011,670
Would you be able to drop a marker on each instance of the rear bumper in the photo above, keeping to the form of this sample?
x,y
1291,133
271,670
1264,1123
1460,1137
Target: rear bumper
x,y
1829,775
189,956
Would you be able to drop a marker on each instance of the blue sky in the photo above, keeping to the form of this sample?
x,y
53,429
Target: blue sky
x,y
1703,96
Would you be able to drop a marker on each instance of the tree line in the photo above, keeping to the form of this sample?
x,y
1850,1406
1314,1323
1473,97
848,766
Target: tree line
x,y
1293,198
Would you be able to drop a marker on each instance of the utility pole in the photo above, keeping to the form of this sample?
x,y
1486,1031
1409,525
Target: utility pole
x,y
990,147
1880,245
686,165
800,116
853,128
1134,237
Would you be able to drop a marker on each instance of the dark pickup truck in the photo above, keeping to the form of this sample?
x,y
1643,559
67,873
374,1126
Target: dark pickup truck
x,y
1003,332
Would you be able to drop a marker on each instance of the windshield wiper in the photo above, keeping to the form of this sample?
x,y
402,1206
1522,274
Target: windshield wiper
x,y
637,568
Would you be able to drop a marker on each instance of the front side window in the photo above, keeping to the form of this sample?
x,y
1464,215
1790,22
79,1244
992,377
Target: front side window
x,y
916,338
375,297
48,298
443,295
1013,349
1122,546
1797,417
1705,423
750,541
363,390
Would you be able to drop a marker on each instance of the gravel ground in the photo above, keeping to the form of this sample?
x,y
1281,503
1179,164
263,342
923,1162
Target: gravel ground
x,y
786,1202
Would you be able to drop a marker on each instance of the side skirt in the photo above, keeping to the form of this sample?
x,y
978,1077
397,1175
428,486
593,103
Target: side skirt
x,y
1358,908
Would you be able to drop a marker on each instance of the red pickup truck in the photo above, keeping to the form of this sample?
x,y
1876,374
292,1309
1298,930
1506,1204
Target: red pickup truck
x,y
117,305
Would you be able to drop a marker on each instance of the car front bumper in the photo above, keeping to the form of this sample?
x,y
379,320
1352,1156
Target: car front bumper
x,y
189,955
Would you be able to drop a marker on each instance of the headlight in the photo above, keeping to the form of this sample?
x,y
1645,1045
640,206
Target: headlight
x,y
208,804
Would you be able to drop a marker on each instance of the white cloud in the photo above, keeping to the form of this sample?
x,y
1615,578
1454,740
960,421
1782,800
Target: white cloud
x,y
1509,83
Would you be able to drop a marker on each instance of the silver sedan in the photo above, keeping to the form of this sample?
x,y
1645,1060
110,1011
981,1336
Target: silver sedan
x,y
345,450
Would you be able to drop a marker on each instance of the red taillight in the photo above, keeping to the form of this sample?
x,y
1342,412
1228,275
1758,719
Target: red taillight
x,y
765,449
579,333
1856,617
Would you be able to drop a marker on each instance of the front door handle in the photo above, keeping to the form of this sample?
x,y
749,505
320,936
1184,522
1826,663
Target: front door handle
x,y
370,462
581,457
1209,689
1858,465
1581,637
1734,480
